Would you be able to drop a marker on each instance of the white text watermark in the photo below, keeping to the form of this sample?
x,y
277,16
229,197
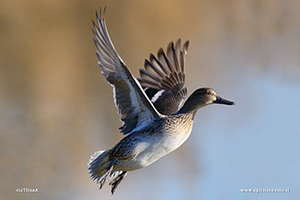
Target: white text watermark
x,y
29,190
264,190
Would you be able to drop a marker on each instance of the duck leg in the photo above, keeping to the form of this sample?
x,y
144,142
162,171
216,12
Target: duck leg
x,y
114,183
103,178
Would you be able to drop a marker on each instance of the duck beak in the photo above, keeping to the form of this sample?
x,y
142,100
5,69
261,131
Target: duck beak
x,y
220,100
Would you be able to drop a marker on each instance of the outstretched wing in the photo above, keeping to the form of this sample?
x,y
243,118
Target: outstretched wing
x,y
163,78
135,108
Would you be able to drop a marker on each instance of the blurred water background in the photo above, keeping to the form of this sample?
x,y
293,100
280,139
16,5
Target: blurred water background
x,y
56,108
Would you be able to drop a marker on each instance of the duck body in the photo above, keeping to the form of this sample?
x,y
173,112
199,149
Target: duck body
x,y
142,148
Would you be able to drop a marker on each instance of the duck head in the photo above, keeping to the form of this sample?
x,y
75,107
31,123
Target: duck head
x,y
203,97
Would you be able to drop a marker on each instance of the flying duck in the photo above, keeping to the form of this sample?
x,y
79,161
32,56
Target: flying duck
x,y
157,117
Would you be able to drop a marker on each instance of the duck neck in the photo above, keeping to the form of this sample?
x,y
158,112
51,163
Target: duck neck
x,y
190,107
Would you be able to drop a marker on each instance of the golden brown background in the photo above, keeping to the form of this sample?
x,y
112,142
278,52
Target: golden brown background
x,y
56,108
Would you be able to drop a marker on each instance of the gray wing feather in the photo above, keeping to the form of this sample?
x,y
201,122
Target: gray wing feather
x,y
133,105
166,75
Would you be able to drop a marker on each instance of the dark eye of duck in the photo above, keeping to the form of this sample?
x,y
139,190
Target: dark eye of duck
x,y
207,92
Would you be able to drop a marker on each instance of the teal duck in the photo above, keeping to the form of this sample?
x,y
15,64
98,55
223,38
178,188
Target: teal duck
x,y
156,117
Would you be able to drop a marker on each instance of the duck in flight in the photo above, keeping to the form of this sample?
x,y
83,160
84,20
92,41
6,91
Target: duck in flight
x,y
156,118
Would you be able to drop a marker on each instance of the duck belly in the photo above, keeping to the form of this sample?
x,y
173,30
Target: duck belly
x,y
150,149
